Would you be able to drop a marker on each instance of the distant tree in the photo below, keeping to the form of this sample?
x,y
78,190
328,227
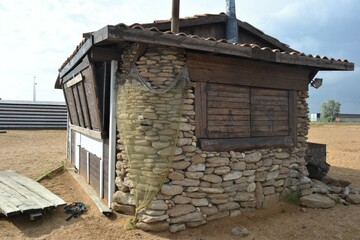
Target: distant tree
x,y
329,110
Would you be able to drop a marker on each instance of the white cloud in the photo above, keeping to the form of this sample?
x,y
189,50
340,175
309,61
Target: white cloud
x,y
38,35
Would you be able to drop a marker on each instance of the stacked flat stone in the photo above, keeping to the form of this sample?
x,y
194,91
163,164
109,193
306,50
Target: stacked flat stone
x,y
298,180
202,186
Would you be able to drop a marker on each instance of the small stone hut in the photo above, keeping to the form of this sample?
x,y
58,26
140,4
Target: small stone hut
x,y
181,129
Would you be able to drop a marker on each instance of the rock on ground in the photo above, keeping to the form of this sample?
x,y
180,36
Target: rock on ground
x,y
240,231
317,201
353,198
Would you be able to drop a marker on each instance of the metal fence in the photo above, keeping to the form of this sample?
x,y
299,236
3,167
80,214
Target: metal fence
x,y
32,115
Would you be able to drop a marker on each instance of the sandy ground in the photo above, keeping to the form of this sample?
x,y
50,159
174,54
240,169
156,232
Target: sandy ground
x,y
33,153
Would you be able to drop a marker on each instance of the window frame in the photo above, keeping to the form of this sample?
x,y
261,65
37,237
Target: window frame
x,y
241,143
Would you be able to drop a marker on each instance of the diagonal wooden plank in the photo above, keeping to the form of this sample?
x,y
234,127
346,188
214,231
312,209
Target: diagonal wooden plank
x,y
35,187
30,196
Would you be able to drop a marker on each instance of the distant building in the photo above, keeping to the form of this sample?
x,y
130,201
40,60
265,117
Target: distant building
x,y
315,117
341,117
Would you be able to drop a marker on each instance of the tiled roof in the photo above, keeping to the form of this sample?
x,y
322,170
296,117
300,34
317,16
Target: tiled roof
x,y
216,18
138,26
241,45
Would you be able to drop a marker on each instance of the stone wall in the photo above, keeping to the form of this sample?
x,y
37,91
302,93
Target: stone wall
x,y
202,186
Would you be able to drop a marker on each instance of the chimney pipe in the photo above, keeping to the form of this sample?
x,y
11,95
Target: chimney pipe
x,y
175,22
232,26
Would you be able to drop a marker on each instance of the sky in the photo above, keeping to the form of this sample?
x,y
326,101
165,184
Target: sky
x,y
38,35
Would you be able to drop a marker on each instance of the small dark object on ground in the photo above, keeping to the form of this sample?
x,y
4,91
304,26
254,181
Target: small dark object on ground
x,y
2,131
75,209
315,157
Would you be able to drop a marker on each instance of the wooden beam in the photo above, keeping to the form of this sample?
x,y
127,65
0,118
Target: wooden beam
x,y
105,54
230,70
240,144
86,131
79,68
77,57
74,80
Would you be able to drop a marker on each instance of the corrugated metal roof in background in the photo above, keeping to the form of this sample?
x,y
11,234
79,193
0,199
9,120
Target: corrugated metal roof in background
x,y
32,115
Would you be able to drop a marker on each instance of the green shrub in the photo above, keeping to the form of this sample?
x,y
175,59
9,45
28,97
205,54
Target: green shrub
x,y
292,197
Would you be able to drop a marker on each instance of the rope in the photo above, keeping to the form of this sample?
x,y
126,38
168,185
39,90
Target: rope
x,y
134,72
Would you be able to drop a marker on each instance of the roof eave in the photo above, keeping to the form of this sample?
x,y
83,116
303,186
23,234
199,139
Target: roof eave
x,y
120,34
77,57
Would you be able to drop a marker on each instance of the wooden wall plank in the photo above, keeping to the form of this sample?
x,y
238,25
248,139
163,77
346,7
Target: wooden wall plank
x,y
268,114
78,106
269,122
95,172
228,117
228,70
270,109
229,112
97,112
67,106
269,118
226,98
269,134
84,104
91,100
269,92
216,135
229,122
269,128
240,144
229,129
228,105
82,163
71,106
222,88
106,169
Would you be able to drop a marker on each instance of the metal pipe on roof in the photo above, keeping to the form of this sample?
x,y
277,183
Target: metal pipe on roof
x,y
175,22
232,26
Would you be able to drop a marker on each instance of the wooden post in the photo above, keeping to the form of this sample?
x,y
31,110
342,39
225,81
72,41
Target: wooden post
x,y
88,167
101,182
175,22
112,132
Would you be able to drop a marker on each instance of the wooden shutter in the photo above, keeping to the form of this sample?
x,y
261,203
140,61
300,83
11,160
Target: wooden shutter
x,y
228,111
269,112
82,100
231,111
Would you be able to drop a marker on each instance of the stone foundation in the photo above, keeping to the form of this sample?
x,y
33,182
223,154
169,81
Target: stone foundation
x,y
202,186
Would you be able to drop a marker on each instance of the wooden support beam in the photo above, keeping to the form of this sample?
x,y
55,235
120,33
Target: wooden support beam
x,y
105,54
86,131
78,78
77,57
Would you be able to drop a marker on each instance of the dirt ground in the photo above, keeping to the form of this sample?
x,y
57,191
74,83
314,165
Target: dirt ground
x,y
33,153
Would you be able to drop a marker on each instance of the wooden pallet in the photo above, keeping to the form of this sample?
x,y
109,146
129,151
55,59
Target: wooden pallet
x,y
19,194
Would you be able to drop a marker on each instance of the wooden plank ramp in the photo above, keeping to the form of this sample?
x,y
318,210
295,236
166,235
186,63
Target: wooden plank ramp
x,y
19,194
